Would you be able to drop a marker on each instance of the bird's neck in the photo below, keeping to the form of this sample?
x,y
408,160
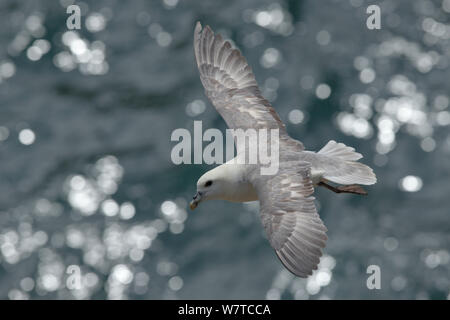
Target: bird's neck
x,y
237,187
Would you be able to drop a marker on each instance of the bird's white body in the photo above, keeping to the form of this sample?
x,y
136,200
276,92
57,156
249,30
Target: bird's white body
x,y
236,184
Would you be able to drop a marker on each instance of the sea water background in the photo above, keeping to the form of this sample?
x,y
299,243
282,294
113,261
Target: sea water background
x,y
86,181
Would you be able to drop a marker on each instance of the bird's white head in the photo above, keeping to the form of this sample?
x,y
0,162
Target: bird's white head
x,y
211,186
225,182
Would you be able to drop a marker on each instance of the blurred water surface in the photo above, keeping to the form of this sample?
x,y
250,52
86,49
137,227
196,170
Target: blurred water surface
x,y
87,186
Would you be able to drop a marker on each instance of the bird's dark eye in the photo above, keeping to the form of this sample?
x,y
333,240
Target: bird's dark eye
x,y
208,183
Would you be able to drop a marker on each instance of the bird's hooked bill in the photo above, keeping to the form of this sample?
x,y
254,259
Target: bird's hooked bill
x,y
195,200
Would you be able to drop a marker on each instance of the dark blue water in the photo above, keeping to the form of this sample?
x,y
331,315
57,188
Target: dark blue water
x,y
87,187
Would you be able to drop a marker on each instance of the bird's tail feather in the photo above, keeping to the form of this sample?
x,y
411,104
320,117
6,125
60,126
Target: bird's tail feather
x,y
342,166
340,150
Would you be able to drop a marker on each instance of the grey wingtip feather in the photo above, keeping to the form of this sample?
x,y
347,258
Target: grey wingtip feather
x,y
198,27
293,268
197,33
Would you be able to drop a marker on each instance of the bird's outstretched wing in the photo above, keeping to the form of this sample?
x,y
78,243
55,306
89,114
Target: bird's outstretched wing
x,y
230,84
290,219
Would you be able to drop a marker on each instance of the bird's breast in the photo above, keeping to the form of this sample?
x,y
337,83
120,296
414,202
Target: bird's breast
x,y
244,192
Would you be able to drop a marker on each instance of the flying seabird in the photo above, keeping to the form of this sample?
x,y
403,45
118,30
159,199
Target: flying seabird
x,y
287,208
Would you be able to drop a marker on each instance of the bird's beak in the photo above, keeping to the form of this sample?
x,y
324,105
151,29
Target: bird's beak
x,y
195,200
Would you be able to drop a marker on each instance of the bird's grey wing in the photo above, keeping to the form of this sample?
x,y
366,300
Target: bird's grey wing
x,y
289,217
230,84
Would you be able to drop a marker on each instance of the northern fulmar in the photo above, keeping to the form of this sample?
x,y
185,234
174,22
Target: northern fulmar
x,y
287,208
